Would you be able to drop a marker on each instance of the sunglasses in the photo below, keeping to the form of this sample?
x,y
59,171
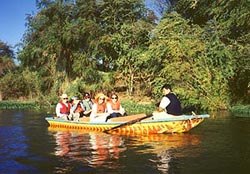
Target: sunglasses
x,y
114,97
101,98
65,98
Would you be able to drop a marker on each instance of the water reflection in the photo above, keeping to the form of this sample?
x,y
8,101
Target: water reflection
x,y
93,148
220,145
164,146
97,149
63,139
105,147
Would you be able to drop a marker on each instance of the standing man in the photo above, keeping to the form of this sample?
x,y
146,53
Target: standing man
x,y
169,105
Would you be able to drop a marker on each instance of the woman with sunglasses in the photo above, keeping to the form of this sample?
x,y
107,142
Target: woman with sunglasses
x,y
99,110
114,107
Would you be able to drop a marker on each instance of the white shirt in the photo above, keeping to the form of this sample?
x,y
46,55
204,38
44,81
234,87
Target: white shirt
x,y
58,108
97,117
164,102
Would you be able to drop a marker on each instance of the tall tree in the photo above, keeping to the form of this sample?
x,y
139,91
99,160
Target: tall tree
x,y
6,58
114,15
232,24
50,42
130,43
198,66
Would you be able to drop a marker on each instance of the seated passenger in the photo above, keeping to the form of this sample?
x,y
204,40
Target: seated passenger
x,y
169,105
77,109
99,110
63,107
114,107
87,103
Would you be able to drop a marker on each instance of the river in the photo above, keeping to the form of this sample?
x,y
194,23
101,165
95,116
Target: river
x,y
221,144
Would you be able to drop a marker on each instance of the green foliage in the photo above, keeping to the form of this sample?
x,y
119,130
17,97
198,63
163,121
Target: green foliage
x,y
15,84
196,65
6,58
130,43
230,20
17,105
102,81
76,46
241,109
132,107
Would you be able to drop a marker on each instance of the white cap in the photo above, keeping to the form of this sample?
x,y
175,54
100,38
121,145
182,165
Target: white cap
x,y
64,96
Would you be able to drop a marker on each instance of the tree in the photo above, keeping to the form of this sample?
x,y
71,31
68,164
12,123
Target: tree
x,y
6,58
130,43
232,26
50,43
198,66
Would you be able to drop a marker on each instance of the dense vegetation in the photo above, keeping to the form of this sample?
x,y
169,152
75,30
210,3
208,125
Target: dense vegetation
x,y
201,47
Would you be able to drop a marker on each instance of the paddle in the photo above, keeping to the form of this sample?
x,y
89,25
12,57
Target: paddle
x,y
129,123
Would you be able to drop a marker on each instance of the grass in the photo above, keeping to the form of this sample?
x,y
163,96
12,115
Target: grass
x,y
131,107
245,109
19,105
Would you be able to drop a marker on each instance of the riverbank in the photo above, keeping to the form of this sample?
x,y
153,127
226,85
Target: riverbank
x,y
244,109
131,107
19,105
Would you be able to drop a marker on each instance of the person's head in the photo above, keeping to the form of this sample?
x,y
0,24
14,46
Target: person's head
x,y
166,89
74,99
86,96
114,98
64,98
101,98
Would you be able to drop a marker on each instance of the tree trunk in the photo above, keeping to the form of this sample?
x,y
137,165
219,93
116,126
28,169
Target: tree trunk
x,y
1,97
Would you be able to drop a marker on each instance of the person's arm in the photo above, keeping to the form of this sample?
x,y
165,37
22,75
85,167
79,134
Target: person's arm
x,y
109,108
122,110
58,106
163,104
73,108
84,104
94,114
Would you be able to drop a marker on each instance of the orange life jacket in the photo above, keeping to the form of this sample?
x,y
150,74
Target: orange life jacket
x,y
101,108
79,109
115,106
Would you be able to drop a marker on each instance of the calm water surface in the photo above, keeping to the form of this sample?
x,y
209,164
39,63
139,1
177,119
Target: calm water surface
x,y
221,144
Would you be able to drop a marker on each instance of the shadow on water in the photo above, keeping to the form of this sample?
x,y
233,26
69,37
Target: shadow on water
x,y
219,145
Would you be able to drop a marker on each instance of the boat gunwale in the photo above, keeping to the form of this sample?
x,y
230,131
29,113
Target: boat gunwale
x,y
169,119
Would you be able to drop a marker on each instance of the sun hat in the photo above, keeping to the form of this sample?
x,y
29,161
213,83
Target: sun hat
x,y
64,96
100,95
74,98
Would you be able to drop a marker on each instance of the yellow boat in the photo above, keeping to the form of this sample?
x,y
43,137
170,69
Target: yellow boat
x,y
133,124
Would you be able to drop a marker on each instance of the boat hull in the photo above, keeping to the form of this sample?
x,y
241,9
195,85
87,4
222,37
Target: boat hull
x,y
176,124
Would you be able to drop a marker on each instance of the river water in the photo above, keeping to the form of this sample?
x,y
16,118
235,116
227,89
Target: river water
x,y
221,144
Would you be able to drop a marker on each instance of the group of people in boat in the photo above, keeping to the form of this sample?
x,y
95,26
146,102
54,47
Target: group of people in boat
x,y
99,109
102,108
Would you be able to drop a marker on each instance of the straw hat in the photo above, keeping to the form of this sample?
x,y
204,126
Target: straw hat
x,y
64,96
100,95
